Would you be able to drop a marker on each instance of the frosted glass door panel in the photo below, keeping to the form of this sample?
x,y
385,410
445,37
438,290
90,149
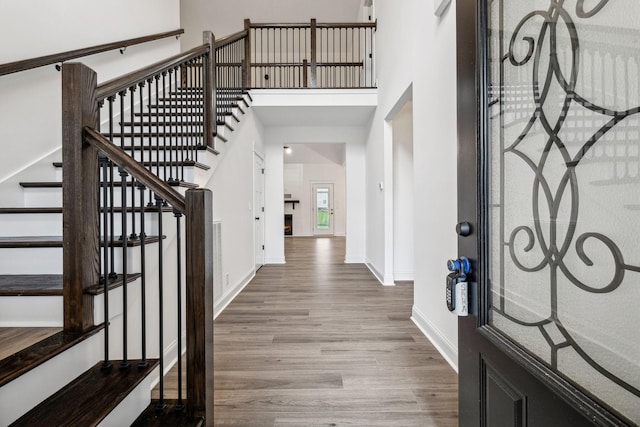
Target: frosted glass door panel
x,y
564,205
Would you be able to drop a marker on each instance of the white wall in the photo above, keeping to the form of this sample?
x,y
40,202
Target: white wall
x,y
276,138
233,203
227,17
298,180
429,68
31,100
403,193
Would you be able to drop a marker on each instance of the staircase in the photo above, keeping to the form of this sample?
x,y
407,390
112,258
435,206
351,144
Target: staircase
x,y
160,125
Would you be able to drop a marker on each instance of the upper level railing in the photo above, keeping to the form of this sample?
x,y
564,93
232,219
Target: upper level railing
x,y
59,58
313,55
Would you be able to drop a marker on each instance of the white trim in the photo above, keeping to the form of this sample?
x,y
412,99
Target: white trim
x,y
383,279
445,347
354,260
28,165
232,294
278,260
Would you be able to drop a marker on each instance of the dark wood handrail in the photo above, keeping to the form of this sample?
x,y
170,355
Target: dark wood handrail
x,y
303,64
318,25
232,38
126,81
27,64
138,171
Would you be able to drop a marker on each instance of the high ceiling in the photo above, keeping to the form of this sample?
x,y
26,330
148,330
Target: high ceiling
x,y
227,17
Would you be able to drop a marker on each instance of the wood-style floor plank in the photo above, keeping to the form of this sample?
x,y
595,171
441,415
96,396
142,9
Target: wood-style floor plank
x,y
12,340
317,342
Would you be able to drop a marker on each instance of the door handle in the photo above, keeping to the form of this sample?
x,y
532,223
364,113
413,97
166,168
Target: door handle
x,y
257,218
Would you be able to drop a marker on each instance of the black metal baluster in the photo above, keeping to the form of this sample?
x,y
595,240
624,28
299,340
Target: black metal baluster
x,y
172,112
150,129
190,93
164,125
178,215
105,165
143,279
122,95
112,231
124,364
160,406
133,234
132,108
360,56
181,129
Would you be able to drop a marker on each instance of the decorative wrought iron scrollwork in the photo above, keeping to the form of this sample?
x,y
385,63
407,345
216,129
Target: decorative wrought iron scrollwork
x,y
554,198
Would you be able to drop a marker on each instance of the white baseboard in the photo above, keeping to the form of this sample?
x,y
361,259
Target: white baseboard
x,y
384,280
446,348
232,294
274,261
354,260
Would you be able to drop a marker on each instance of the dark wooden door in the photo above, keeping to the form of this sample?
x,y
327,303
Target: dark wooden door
x,y
549,180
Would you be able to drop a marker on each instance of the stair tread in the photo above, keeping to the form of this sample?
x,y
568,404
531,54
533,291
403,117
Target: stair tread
x,y
58,210
56,241
161,123
222,138
31,210
58,184
50,284
162,164
25,360
169,417
78,404
30,284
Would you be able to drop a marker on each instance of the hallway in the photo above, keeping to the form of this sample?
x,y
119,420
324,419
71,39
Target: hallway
x,y
317,342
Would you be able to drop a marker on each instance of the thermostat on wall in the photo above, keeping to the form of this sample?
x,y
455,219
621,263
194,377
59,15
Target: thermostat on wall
x,y
439,6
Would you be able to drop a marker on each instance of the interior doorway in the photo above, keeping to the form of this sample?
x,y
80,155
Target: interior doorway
x,y
403,193
315,185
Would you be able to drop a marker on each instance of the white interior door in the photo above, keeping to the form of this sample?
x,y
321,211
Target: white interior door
x,y
322,215
258,209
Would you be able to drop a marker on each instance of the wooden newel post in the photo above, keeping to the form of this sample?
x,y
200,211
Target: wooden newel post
x,y
246,65
199,229
80,220
314,55
209,90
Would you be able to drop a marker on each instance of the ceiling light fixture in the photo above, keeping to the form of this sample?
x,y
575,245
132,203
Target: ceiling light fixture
x,y
287,150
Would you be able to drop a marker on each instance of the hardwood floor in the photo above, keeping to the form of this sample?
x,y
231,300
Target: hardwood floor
x,y
12,340
317,342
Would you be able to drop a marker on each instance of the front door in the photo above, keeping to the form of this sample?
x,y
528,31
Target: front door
x,y
549,184
322,215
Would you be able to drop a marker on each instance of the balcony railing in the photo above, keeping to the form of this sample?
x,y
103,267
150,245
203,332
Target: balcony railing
x,y
312,55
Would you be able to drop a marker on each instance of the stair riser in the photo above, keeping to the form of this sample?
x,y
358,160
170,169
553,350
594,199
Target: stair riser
x,y
49,260
28,311
31,260
136,402
25,392
52,197
171,171
51,224
157,130
31,225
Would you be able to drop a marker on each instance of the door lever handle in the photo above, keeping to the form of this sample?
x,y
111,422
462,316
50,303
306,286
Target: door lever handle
x,y
257,218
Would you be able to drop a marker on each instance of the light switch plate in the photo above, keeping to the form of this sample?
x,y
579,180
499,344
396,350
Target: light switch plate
x,y
439,6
